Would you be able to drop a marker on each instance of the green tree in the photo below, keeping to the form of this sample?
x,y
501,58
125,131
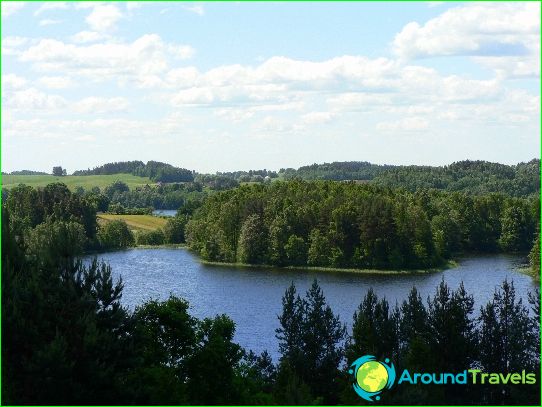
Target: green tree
x,y
296,251
115,235
311,340
319,249
174,229
252,244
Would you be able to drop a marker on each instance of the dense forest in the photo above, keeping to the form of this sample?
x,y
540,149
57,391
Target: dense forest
x,y
64,326
474,177
345,225
155,170
68,340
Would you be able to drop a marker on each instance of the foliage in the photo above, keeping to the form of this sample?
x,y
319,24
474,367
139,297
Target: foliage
x,y
156,171
322,223
150,238
473,177
115,235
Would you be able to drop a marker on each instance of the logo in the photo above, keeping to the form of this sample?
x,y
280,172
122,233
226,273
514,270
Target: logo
x,y
372,377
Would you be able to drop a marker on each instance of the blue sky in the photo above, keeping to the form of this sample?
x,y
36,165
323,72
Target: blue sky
x,y
237,85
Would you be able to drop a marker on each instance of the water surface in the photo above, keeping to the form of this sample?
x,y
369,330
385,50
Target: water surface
x,y
252,297
164,212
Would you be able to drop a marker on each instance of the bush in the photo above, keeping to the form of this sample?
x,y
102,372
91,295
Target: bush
x,y
151,238
174,229
115,235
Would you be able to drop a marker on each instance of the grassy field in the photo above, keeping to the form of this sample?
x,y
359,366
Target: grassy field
x,y
72,181
136,222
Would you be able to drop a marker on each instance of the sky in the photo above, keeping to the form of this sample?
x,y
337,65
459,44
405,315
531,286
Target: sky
x,y
241,85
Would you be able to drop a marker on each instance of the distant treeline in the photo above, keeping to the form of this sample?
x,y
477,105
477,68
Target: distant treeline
x,y
332,224
473,177
27,172
155,170
167,196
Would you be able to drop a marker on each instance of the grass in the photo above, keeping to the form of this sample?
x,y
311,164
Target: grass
x,y
73,181
136,222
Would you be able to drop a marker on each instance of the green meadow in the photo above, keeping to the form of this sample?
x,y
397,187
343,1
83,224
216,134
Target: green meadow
x,y
73,181
136,222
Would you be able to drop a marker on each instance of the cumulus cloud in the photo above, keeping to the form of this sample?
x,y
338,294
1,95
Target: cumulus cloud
x,y
501,36
48,21
83,37
406,124
56,82
51,5
104,17
499,29
121,62
317,117
11,7
12,81
34,99
95,104
12,45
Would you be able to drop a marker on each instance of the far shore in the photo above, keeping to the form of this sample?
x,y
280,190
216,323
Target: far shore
x,y
447,265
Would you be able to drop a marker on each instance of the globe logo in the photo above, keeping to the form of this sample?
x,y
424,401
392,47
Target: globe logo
x,y
371,377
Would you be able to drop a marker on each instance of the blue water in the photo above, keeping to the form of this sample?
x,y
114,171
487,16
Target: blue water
x,y
164,212
252,297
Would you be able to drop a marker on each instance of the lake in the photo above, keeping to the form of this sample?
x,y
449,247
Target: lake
x,y
252,296
164,212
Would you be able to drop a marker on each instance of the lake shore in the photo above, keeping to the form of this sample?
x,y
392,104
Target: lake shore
x,y
449,264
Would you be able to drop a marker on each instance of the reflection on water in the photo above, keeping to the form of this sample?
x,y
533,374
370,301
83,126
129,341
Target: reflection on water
x,y
252,297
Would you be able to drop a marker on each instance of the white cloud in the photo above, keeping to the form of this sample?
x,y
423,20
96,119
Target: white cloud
x,y
101,105
83,37
11,7
56,82
12,81
196,9
104,17
406,124
51,5
47,21
317,117
481,29
33,99
145,58
13,45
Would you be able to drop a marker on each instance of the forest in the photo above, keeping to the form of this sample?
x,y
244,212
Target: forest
x,y
67,339
349,225
474,177
155,170
64,326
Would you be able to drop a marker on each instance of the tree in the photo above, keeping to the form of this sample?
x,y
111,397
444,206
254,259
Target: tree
x,y
296,251
174,229
311,340
59,171
375,329
508,342
54,242
115,235
534,255
319,249
252,241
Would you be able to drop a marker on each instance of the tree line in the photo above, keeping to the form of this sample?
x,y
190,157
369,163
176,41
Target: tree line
x,y
68,222
155,170
349,225
473,177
